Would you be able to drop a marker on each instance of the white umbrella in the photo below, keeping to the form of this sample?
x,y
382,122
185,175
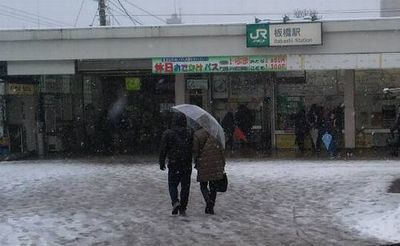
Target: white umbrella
x,y
204,119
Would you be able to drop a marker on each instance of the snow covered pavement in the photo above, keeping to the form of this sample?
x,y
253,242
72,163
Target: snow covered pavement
x,y
113,202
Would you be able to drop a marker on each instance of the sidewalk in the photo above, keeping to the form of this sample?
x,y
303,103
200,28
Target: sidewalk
x,y
343,154
355,154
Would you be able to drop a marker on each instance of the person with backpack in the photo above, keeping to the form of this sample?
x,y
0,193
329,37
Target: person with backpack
x,y
176,145
209,160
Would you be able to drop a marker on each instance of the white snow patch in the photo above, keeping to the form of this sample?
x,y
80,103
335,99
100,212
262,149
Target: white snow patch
x,y
384,225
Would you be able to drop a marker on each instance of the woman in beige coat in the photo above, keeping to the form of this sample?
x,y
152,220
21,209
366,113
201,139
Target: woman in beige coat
x,y
210,164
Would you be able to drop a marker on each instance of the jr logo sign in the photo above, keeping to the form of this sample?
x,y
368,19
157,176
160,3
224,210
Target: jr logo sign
x,y
260,34
257,35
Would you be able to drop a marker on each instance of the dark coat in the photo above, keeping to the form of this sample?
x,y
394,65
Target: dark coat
x,y
209,157
176,145
244,119
396,125
301,124
228,123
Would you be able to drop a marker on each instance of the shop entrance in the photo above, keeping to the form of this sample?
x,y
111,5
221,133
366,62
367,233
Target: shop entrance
x,y
21,117
244,102
126,113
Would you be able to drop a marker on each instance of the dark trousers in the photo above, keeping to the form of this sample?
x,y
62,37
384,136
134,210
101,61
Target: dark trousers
x,y
319,140
300,141
229,140
176,177
209,192
333,146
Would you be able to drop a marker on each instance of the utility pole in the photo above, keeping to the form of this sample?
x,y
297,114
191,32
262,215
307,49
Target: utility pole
x,y
102,12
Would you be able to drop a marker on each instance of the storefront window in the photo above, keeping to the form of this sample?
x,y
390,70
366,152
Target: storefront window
x,y
374,108
322,88
247,98
61,98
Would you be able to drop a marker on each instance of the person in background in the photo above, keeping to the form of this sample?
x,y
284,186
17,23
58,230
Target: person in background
x,y
228,123
332,128
209,160
90,127
316,122
176,145
244,119
301,129
396,127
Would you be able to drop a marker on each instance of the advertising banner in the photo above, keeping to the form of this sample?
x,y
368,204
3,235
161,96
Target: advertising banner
x,y
174,65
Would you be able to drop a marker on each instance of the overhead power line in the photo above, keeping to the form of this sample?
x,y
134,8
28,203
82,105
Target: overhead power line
x,y
79,13
109,10
22,13
94,17
134,21
354,11
31,21
28,19
126,12
122,12
147,12
117,9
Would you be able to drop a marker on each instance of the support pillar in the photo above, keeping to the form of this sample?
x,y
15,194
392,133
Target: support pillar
x,y
180,89
349,110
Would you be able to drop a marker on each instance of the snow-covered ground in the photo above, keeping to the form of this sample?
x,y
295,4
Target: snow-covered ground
x,y
114,202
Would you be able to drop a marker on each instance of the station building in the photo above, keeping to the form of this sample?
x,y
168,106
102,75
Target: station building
x,y
109,89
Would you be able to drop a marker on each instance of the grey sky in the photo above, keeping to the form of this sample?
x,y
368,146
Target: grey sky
x,y
66,11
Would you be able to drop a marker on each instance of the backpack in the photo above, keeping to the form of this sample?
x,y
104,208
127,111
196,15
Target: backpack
x,y
181,147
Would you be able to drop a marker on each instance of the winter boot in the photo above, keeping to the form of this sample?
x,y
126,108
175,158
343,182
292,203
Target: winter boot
x,y
209,208
175,208
182,212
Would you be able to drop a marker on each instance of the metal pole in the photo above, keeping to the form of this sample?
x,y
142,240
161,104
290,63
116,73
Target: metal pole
x,y
102,12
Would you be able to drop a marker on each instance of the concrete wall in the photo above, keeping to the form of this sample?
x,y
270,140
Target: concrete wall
x,y
339,37
390,8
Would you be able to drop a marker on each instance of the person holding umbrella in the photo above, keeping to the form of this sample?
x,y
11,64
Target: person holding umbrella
x,y
210,164
208,151
176,144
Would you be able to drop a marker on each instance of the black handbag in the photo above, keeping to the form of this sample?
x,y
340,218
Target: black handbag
x,y
222,184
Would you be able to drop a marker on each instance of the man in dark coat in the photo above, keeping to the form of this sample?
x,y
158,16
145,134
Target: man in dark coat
x,y
228,123
301,129
176,145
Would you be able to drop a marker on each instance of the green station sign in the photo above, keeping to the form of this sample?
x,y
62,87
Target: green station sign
x,y
284,34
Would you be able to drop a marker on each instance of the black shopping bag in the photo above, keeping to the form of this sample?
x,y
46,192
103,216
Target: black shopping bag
x,y
222,184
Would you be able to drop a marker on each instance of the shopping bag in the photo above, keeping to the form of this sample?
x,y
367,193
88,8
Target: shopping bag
x,y
222,184
327,139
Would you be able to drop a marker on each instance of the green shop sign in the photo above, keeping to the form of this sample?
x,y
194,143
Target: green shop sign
x,y
133,84
219,64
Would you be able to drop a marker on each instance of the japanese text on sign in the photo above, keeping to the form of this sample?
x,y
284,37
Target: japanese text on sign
x,y
219,64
